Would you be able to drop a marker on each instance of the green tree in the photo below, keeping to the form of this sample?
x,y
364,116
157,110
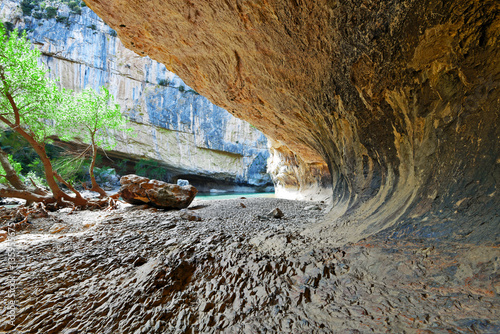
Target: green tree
x,y
34,107
28,100
91,115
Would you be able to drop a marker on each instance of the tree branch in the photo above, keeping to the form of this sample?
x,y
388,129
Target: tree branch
x,y
70,187
10,98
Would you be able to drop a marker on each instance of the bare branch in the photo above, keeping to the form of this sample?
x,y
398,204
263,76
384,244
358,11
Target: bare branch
x,y
70,187
106,154
33,183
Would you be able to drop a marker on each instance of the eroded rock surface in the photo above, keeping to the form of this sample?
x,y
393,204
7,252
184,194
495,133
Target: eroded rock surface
x,y
398,100
141,190
151,271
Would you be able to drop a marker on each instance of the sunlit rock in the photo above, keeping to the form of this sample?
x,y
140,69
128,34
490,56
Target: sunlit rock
x,y
141,190
395,102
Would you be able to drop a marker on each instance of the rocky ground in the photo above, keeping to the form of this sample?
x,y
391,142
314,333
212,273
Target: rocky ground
x,y
230,267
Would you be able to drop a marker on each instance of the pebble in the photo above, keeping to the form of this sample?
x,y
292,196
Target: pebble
x,y
186,214
275,213
57,227
312,207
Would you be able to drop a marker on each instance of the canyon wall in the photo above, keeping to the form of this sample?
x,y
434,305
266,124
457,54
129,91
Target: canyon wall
x,y
173,125
395,103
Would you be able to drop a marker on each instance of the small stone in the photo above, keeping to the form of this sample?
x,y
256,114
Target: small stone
x,y
170,242
312,207
57,227
182,183
167,225
276,213
130,258
185,214
3,236
243,205
139,261
71,331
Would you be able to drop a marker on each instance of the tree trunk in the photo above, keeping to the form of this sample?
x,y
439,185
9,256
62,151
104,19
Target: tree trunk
x,y
39,148
58,194
10,173
95,186
25,194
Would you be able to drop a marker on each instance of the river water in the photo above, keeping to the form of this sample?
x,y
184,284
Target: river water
x,y
211,196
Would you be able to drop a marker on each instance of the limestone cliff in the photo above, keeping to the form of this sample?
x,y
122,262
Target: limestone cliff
x,y
399,100
176,126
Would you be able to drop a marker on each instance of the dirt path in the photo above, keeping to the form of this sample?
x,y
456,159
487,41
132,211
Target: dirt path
x,y
237,271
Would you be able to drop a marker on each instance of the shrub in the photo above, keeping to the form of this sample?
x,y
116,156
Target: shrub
x,y
181,89
113,33
37,15
24,155
9,26
151,169
121,167
164,82
77,11
50,12
33,177
193,91
27,7
71,169
73,4
62,19
92,26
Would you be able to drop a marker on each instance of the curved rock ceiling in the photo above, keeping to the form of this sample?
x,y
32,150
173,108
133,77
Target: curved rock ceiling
x,y
398,100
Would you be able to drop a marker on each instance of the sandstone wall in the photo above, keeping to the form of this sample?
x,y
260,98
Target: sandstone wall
x,y
399,100
174,124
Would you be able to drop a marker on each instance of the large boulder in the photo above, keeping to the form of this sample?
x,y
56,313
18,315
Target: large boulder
x,y
141,190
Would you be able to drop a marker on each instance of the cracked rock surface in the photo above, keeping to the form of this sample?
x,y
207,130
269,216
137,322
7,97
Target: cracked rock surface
x,y
237,270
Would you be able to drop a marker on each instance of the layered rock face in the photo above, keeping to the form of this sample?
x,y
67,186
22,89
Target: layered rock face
x,y
173,124
399,100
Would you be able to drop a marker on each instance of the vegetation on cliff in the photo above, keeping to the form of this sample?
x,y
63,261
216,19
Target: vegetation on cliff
x,y
48,9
